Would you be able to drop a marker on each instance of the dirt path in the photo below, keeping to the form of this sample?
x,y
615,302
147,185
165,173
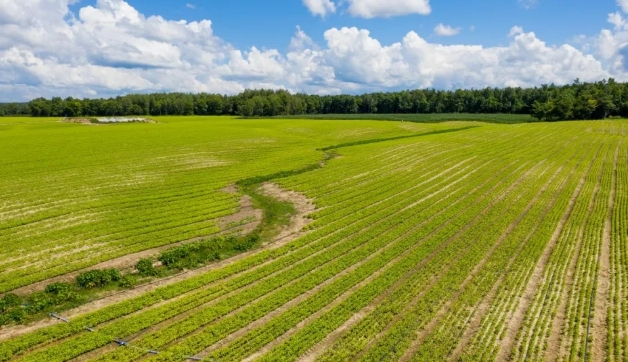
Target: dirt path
x,y
299,218
600,328
526,299
303,206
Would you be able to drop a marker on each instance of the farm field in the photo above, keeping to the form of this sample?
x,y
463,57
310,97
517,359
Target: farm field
x,y
451,241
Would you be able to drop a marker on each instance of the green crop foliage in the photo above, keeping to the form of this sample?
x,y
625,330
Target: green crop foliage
x,y
446,240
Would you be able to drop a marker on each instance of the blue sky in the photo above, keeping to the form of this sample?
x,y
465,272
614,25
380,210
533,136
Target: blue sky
x,y
246,23
101,48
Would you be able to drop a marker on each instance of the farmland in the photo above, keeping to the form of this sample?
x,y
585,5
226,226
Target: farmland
x,y
457,240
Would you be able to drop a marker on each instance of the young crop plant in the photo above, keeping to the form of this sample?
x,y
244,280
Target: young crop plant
x,y
449,241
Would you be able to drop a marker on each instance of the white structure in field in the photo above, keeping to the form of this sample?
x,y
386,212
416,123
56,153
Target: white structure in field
x,y
121,119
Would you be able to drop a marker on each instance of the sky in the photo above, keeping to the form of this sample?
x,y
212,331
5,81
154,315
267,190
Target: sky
x,y
103,48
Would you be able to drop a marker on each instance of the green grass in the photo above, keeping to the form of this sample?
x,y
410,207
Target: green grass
x,y
423,118
277,213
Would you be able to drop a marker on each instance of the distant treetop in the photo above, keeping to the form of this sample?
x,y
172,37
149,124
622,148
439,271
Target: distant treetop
x,y
549,102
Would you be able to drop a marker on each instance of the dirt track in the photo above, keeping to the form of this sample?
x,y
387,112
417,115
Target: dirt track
x,y
303,206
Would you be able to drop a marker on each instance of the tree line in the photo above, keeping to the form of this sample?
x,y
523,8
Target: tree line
x,y
580,100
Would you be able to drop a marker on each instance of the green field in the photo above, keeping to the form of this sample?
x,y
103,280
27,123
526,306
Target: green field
x,y
448,241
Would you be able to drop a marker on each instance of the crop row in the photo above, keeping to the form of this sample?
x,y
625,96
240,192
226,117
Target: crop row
x,y
453,229
341,248
618,296
297,256
495,325
383,316
521,243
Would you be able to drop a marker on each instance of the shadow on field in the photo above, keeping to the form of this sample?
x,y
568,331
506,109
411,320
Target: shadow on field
x,y
376,140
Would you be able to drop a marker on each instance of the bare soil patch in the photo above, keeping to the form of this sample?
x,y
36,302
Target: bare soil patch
x,y
302,205
244,221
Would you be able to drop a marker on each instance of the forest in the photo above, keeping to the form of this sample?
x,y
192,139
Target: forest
x,y
579,100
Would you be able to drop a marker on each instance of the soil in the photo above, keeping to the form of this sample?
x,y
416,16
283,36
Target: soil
x,y
302,205
244,221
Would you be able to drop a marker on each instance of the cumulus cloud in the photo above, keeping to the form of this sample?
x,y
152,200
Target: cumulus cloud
x,y
190,6
376,8
320,7
446,30
611,45
414,62
110,48
301,41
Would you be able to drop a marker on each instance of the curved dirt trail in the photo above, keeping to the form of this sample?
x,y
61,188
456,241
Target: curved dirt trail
x,y
302,205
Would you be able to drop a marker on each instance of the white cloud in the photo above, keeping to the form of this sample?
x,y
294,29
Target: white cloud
x,y
377,8
416,63
529,4
611,45
301,41
190,6
320,7
110,48
446,30
515,30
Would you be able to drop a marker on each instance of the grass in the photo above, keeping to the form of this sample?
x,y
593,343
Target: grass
x,y
277,213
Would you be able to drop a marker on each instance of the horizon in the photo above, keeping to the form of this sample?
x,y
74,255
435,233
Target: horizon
x,y
107,48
